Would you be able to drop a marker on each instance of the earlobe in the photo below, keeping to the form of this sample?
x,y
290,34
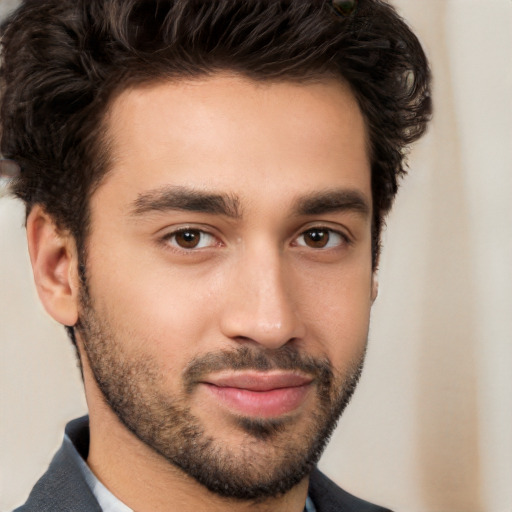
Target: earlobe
x,y
54,264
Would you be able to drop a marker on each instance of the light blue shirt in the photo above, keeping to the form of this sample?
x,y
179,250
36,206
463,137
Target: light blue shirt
x,y
108,502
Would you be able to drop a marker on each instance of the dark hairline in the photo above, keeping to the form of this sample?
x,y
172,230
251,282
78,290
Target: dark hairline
x,y
104,142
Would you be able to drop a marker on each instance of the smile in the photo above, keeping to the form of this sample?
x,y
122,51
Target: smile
x,y
263,395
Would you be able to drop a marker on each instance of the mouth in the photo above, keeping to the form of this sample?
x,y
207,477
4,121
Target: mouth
x,y
259,394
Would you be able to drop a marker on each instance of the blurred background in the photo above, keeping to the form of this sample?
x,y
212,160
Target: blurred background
x,y
430,427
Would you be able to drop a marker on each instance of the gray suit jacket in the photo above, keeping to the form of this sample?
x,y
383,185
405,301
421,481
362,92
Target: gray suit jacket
x,y
63,489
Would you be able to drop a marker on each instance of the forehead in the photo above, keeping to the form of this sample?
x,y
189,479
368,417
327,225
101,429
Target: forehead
x,y
231,133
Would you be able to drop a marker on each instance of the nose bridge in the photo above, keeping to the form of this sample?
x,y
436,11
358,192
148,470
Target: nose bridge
x,y
261,306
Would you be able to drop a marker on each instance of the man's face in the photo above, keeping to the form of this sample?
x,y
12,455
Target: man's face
x,y
229,277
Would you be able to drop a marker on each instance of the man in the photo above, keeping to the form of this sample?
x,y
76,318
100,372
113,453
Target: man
x,y
205,185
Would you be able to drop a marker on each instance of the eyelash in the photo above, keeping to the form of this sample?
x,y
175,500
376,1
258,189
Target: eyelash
x,y
343,239
170,239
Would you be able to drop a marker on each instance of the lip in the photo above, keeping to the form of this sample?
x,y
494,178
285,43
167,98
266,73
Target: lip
x,y
257,394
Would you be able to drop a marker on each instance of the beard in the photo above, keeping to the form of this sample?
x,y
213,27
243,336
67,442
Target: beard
x,y
273,456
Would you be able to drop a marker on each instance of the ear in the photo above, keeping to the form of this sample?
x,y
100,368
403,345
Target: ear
x,y
54,263
375,286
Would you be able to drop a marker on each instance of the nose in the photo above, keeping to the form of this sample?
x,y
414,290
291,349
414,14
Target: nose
x,y
261,302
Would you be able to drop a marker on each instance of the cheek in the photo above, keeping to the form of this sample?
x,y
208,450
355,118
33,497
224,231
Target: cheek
x,y
156,310
336,308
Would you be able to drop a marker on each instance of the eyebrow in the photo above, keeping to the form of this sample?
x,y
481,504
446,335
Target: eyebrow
x,y
193,200
331,201
186,199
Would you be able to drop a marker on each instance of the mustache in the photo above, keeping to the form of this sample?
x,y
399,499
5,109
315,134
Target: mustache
x,y
259,359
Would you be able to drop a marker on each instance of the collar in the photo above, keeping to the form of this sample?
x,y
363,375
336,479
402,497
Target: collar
x,y
108,502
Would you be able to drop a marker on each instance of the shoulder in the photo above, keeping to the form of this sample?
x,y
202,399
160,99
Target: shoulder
x,y
328,497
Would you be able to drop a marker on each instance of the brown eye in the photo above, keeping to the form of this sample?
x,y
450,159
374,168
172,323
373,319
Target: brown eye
x,y
188,239
316,238
321,238
191,239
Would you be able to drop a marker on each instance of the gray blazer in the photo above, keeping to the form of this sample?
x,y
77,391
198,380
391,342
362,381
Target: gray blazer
x,y
63,489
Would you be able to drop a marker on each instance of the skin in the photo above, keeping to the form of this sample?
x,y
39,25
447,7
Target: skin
x,y
256,279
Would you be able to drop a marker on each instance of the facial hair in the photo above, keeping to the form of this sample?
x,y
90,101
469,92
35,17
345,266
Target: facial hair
x,y
274,455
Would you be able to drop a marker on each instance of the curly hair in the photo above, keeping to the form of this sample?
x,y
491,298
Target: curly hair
x,y
64,60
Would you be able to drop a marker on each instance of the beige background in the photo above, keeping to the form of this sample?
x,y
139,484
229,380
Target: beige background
x,y
430,428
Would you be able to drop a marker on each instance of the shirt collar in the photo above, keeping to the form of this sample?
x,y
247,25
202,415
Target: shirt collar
x,y
108,502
